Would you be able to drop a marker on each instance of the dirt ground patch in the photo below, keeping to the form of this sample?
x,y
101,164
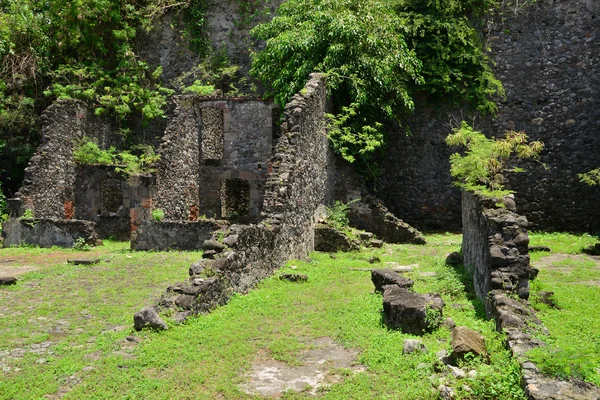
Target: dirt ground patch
x,y
557,261
273,378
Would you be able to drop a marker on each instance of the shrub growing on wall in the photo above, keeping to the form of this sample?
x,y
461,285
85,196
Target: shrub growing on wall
x,y
481,169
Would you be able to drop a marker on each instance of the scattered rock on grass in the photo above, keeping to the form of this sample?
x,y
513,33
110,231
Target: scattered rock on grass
x,y
412,312
294,277
382,277
412,346
467,341
7,280
148,317
328,239
454,258
539,248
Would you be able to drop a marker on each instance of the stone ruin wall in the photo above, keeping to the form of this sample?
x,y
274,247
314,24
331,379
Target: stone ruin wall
x,y
298,184
49,185
495,250
547,57
214,158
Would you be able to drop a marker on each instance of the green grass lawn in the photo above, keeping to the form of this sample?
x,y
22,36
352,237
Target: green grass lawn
x,y
64,329
574,340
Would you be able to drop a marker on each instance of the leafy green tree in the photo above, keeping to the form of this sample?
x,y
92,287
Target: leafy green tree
x,y
481,169
377,55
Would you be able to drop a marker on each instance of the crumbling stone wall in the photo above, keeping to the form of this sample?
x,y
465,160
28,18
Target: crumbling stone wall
x,y
177,176
296,188
495,250
49,185
546,55
116,202
208,143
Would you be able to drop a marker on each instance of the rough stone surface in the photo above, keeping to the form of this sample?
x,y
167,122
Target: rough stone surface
x,y
48,232
412,346
411,312
7,280
546,56
117,203
148,317
49,185
495,246
495,249
331,240
371,215
383,277
211,150
467,341
173,235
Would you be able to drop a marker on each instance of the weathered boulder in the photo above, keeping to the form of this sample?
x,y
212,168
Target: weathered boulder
x,y
467,341
412,312
383,277
7,280
294,277
329,239
371,215
148,317
454,258
212,244
376,243
413,345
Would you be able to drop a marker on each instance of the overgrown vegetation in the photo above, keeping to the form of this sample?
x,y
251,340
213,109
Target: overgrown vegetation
x,y
87,152
574,323
337,215
78,49
481,169
377,55
591,178
208,356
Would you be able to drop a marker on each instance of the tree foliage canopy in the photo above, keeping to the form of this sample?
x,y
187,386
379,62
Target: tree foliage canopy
x,y
377,54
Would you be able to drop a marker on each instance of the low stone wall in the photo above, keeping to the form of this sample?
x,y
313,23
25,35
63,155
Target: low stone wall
x,y
495,250
48,232
173,235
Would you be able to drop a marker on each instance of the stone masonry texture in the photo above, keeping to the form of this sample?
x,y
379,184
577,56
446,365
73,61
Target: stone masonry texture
x,y
547,57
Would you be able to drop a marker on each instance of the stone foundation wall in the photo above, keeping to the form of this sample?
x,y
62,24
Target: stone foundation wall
x,y
48,232
173,235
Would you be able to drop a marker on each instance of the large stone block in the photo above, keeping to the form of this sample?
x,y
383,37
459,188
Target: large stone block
x,y
411,312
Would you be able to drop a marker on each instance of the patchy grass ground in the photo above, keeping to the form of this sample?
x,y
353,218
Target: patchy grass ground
x,y
574,325
66,331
